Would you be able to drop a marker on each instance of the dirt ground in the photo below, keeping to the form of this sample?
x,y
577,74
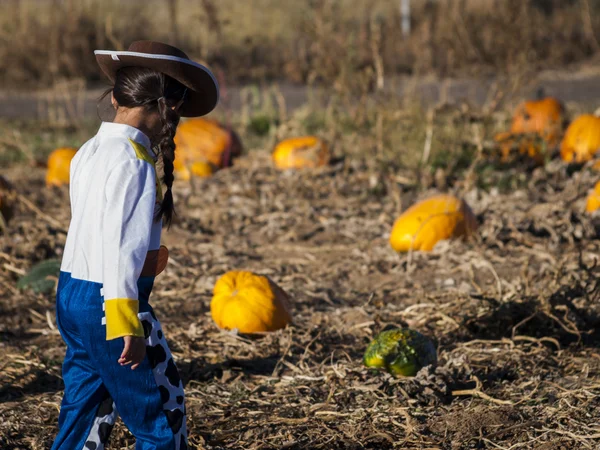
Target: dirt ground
x,y
514,313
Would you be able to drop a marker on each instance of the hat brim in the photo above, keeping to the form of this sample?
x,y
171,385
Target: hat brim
x,y
203,89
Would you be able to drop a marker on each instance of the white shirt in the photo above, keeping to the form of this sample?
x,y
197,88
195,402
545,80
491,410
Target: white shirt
x,y
113,191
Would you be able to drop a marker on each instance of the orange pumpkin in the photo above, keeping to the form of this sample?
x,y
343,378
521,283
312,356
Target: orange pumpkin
x,y
543,117
204,140
249,303
437,218
582,139
59,163
593,199
7,201
536,118
301,152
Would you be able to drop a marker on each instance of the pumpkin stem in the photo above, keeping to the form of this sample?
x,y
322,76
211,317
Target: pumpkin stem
x,y
540,93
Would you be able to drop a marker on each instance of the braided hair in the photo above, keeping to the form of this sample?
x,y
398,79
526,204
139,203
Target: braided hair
x,y
155,91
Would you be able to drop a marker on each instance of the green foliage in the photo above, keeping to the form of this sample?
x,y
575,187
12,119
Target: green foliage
x,y
454,161
41,279
260,124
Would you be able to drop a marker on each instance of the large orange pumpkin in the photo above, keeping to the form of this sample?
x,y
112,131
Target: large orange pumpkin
x,y
437,218
536,118
249,303
593,199
301,152
59,163
206,141
582,139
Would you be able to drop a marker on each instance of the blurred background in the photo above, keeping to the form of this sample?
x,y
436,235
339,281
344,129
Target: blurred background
x,y
274,56
324,41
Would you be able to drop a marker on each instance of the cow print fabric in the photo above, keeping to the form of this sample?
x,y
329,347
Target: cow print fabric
x,y
169,385
167,378
106,415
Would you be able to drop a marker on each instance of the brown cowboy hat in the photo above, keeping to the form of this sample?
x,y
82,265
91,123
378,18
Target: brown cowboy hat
x,y
203,89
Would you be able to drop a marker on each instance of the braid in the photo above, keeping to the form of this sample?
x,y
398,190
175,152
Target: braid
x,y
155,92
166,146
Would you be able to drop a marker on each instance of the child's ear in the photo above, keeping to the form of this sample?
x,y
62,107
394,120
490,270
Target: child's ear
x,y
113,100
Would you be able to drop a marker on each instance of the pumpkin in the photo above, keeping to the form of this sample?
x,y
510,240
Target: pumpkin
x,y
541,118
582,139
249,303
593,199
401,352
202,169
59,163
438,218
206,141
300,153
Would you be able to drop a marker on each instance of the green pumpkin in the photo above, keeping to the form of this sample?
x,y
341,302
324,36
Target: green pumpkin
x,y
402,352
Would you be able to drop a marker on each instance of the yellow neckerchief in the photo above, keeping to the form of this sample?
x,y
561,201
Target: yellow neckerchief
x,y
142,153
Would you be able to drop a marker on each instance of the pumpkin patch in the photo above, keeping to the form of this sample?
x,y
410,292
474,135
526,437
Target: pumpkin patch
x,y
437,218
59,163
250,303
307,152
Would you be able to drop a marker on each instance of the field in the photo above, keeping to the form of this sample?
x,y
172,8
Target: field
x,y
43,42
514,311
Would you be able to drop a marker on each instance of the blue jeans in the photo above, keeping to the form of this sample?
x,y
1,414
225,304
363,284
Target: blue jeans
x,y
150,399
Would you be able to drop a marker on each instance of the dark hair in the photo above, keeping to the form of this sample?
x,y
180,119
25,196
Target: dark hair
x,y
154,91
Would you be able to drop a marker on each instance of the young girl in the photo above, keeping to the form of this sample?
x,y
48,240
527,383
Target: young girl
x,y
117,359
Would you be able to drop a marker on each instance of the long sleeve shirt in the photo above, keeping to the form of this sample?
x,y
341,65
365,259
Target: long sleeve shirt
x,y
114,196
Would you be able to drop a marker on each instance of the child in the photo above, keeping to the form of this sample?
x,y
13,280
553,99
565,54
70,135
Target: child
x,y
117,360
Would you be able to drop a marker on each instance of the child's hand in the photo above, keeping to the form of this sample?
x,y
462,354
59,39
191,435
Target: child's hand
x,y
134,351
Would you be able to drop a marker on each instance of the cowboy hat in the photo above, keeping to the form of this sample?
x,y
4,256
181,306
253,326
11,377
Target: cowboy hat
x,y
203,89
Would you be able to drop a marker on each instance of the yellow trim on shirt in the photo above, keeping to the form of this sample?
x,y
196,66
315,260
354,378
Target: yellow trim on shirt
x,y
122,318
142,153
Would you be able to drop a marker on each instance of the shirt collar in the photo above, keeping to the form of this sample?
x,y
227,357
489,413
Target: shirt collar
x,y
128,132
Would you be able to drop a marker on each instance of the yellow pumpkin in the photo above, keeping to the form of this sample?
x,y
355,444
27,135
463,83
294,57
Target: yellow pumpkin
x,y
204,140
438,218
249,303
301,152
7,201
593,199
202,169
59,163
582,139
543,118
